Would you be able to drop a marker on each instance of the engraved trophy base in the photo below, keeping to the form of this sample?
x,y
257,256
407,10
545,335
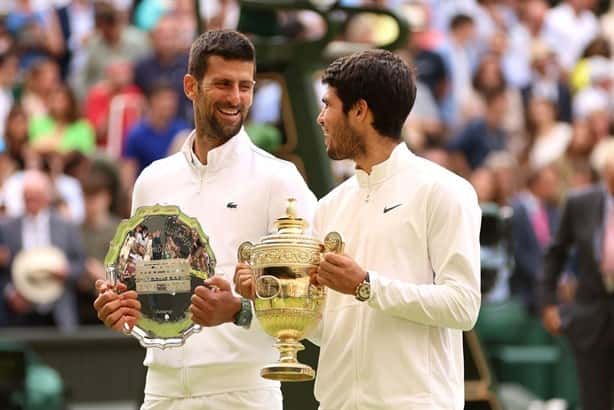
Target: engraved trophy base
x,y
288,368
288,372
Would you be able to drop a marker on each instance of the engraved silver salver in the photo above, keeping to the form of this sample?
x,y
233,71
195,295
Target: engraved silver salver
x,y
162,254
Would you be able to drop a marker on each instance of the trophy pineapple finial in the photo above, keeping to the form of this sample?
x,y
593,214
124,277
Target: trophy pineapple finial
x,y
291,208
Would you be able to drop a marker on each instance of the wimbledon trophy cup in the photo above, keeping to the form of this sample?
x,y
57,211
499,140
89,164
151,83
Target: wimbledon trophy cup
x,y
287,304
163,255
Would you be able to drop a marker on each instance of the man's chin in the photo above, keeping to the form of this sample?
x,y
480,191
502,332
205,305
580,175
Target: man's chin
x,y
226,132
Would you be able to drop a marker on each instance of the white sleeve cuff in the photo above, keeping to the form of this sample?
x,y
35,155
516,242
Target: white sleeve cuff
x,y
374,283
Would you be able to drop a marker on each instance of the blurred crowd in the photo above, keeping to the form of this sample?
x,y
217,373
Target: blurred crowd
x,y
517,96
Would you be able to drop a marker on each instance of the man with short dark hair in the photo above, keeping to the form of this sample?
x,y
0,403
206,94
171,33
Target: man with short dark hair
x,y
166,62
236,191
151,137
409,281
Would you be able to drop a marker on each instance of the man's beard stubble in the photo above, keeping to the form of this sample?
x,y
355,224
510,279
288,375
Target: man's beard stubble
x,y
212,129
347,145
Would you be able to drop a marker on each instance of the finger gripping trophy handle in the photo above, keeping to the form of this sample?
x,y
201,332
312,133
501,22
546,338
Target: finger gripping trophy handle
x,y
244,254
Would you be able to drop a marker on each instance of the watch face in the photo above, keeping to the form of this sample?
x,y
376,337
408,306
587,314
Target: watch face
x,y
364,291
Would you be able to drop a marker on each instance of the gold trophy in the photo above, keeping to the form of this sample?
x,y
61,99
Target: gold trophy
x,y
287,304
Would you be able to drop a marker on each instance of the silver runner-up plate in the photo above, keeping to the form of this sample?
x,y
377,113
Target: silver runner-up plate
x,y
163,255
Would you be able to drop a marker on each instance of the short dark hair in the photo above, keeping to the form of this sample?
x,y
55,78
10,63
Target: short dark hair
x,y
160,87
382,79
228,44
460,20
105,13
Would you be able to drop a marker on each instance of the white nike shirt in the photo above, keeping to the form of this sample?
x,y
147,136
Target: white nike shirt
x,y
414,226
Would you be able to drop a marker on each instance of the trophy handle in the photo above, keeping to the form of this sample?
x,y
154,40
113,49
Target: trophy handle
x,y
333,242
112,274
244,254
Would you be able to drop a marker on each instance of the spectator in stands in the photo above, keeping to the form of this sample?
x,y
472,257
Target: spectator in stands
x,y
546,81
62,130
97,231
481,136
66,191
587,228
595,68
112,39
504,165
116,100
460,56
15,140
530,29
569,27
167,63
37,32
429,65
548,138
151,138
488,78
40,226
41,79
574,165
77,24
534,220
8,75
485,184
593,107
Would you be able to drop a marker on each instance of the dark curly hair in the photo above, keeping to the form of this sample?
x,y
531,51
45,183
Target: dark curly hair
x,y
382,79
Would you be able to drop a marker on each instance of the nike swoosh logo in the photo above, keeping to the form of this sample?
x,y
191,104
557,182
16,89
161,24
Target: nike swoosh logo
x,y
386,209
231,205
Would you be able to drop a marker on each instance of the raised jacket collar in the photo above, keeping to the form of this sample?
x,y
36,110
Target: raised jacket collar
x,y
399,157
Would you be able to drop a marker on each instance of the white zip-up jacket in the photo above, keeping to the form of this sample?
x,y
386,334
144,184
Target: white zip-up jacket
x,y
414,226
236,197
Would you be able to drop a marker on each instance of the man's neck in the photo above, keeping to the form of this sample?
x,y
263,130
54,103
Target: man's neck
x,y
376,153
203,144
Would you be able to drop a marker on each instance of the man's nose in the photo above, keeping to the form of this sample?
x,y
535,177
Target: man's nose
x,y
234,95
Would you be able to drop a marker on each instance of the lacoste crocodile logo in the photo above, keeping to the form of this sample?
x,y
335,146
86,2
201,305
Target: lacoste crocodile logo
x,y
231,205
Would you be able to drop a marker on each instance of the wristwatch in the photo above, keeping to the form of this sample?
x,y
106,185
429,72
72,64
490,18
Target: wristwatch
x,y
244,317
363,290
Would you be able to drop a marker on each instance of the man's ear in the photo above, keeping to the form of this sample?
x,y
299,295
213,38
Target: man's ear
x,y
189,86
360,110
